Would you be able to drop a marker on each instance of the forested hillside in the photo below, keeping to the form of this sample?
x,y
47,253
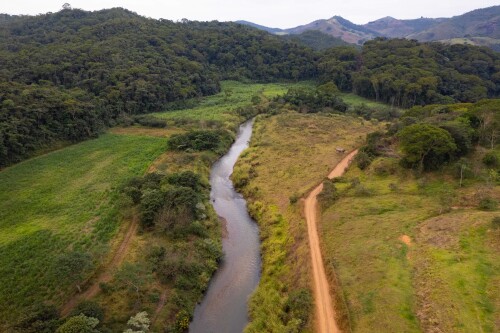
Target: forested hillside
x,y
67,75
405,73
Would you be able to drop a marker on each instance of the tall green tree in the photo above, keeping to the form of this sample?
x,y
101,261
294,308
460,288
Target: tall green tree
x,y
425,146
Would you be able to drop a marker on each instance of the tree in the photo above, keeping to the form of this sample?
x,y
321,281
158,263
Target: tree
x,y
489,121
40,319
79,324
89,309
426,146
463,169
138,323
133,276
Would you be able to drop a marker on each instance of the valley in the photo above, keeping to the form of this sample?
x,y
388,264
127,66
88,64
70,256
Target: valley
x,y
166,177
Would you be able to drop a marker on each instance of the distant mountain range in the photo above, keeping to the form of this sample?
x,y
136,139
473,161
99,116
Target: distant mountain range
x,y
478,27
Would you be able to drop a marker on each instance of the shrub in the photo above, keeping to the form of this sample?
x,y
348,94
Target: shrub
x,y
491,160
294,198
155,255
361,190
150,121
168,270
209,249
383,167
39,319
106,288
187,179
151,202
89,309
213,140
133,193
182,319
328,195
152,180
362,160
182,199
197,229
79,324
488,204
298,306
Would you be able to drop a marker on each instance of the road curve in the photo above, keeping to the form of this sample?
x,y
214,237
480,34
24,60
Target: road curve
x,y
325,314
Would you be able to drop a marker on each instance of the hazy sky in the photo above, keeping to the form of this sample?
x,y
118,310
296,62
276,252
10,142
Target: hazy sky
x,y
274,13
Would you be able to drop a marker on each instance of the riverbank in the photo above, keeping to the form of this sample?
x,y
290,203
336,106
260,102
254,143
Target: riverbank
x,y
288,155
224,306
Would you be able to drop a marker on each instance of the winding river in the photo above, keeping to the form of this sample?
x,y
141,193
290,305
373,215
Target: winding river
x,y
224,307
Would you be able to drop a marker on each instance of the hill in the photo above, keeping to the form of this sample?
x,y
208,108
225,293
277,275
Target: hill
x,y
316,40
480,27
336,26
66,76
478,23
276,31
394,28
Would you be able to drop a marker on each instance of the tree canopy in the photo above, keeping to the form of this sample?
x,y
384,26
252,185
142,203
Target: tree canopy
x,y
405,72
426,146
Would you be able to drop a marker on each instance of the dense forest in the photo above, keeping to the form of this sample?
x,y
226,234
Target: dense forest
x,y
405,73
66,76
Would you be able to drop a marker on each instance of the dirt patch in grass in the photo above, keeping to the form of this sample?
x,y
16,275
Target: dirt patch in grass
x,y
441,231
406,240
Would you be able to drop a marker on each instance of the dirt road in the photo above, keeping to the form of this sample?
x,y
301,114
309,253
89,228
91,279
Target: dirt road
x,y
325,314
107,273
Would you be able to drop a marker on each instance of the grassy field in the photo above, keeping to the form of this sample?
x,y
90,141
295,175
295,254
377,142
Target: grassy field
x,y
62,201
221,108
289,154
355,100
413,254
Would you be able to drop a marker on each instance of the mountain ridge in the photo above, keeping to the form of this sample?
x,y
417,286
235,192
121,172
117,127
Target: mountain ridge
x,y
477,27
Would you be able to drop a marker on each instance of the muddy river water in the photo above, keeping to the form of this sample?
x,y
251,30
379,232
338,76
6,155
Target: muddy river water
x,y
224,307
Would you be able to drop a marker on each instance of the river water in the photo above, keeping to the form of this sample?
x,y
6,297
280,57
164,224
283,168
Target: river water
x,y
224,307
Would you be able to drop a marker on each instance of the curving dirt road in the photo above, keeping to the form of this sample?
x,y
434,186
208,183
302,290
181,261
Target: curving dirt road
x,y
108,271
325,315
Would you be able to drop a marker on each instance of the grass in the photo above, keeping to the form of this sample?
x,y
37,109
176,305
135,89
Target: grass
x,y
60,201
221,108
355,100
288,155
445,279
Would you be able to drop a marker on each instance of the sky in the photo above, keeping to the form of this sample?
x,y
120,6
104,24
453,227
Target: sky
x,y
271,13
